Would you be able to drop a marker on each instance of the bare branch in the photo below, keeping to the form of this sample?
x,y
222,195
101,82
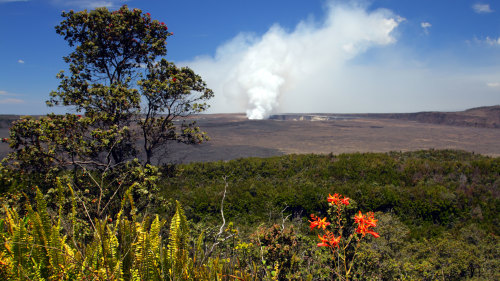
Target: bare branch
x,y
284,219
217,238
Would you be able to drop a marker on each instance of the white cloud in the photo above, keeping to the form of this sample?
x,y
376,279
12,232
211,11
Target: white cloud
x,y
89,4
426,25
482,8
5,93
493,84
20,61
493,41
490,41
11,101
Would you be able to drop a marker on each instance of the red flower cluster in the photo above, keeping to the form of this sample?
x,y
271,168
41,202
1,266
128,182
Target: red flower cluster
x,y
365,223
329,240
317,222
336,200
342,264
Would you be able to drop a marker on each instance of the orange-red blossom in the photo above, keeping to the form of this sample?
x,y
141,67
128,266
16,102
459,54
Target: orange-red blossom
x,y
365,223
336,200
329,240
317,222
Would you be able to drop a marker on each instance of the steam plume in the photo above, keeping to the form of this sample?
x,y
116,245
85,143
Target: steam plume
x,y
266,74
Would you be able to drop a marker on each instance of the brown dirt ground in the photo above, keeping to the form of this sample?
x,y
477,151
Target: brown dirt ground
x,y
233,136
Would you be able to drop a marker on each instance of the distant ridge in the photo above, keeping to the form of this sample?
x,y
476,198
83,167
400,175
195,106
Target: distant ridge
x,y
482,117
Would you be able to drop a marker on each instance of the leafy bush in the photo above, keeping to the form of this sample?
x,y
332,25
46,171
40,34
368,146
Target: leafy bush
x,y
423,200
427,190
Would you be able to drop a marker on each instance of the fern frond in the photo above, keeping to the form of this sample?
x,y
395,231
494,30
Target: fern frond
x,y
154,235
178,233
21,246
114,258
198,252
41,205
177,251
40,232
73,209
55,250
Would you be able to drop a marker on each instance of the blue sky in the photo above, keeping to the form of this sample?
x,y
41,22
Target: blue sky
x,y
263,57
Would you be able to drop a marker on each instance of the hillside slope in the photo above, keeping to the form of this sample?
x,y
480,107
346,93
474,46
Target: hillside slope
x,y
483,117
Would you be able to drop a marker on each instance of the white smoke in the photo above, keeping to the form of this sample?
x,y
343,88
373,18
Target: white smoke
x,y
263,75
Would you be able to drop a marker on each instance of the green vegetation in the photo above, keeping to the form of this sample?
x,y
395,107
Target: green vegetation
x,y
130,102
430,191
125,95
437,212
79,205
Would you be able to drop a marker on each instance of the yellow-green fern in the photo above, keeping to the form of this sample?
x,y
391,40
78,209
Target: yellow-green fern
x,y
177,254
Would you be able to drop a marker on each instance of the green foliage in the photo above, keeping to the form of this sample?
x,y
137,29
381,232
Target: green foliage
x,y
123,94
279,251
94,200
169,94
437,211
430,191
50,143
465,254
33,248
177,253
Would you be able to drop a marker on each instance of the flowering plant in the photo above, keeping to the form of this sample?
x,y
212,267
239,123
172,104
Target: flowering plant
x,y
333,236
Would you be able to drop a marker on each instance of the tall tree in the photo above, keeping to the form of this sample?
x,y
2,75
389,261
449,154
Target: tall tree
x,y
167,91
122,87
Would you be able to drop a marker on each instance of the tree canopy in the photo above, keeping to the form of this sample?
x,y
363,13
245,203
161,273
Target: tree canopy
x,y
123,91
